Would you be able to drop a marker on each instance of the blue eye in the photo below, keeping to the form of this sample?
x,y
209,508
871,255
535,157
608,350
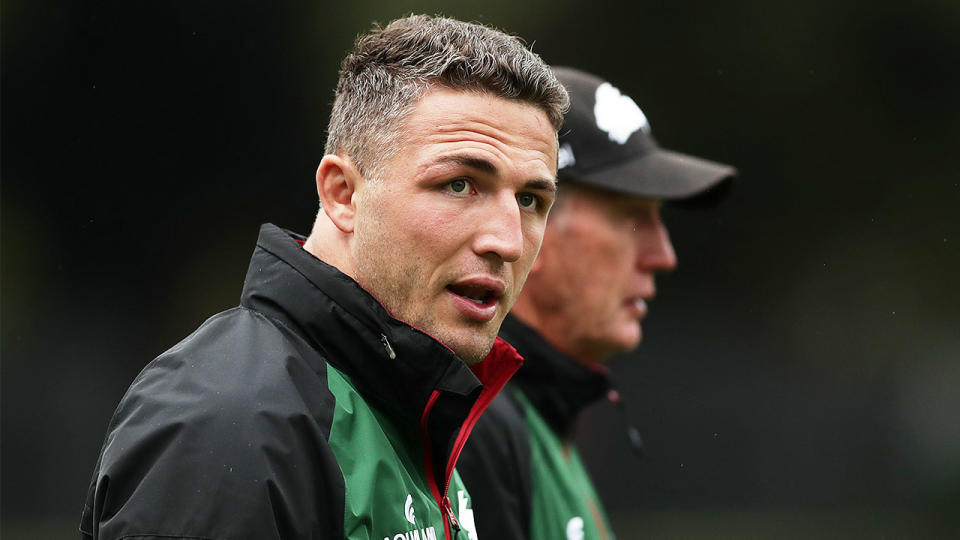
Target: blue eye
x,y
458,186
528,201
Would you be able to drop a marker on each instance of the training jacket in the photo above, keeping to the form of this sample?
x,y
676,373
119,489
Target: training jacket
x,y
306,412
525,475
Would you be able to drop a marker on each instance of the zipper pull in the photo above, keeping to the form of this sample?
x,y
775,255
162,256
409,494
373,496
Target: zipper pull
x,y
387,347
454,523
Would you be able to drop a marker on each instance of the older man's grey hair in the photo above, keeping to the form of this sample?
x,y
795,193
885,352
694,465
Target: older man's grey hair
x,y
390,68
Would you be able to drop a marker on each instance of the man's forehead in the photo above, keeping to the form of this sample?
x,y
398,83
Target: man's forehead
x,y
449,128
443,109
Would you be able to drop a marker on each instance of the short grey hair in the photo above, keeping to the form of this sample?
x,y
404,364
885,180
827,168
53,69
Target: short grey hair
x,y
390,68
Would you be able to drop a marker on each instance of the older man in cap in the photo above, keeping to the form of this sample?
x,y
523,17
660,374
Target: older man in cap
x,y
583,301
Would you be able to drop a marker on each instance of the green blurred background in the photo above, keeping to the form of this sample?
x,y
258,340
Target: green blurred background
x,y
800,371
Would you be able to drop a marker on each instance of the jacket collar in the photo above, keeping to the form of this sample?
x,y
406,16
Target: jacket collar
x,y
556,384
389,360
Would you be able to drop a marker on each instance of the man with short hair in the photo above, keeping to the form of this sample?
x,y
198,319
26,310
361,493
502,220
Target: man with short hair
x,y
335,400
583,302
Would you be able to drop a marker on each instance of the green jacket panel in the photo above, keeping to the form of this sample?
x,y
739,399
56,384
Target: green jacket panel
x,y
386,491
564,505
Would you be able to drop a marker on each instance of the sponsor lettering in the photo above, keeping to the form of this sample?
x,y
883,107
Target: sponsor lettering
x,y
410,514
417,534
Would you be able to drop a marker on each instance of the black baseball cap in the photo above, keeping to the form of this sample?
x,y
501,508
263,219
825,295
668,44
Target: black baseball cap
x,y
605,142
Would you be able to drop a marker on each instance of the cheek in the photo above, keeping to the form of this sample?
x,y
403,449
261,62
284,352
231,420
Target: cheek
x,y
417,226
532,242
603,266
434,224
599,247
573,269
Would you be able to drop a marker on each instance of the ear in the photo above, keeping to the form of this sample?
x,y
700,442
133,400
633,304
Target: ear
x,y
337,182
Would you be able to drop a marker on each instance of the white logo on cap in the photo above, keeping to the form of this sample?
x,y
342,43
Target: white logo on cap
x,y
565,156
617,114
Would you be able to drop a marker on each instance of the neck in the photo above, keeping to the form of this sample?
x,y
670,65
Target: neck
x,y
327,243
555,335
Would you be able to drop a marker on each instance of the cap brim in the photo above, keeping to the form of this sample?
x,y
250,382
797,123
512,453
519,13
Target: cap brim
x,y
661,174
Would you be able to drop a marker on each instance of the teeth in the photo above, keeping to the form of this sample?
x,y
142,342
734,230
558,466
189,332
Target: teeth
x,y
474,300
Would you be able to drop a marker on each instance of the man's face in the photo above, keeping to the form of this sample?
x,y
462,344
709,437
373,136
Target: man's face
x,y
596,271
445,239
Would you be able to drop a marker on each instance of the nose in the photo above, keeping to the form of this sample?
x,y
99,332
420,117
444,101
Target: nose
x,y
500,229
656,251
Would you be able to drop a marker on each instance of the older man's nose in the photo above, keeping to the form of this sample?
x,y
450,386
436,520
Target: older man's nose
x,y
656,251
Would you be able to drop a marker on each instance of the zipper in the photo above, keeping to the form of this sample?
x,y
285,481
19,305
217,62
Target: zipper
x,y
490,390
451,525
443,502
387,347
451,517
483,401
450,522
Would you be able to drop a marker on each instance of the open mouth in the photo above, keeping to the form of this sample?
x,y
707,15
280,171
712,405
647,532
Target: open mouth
x,y
637,305
478,294
477,297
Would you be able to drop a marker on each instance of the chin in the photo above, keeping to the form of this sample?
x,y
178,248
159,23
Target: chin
x,y
469,342
472,351
474,355
627,340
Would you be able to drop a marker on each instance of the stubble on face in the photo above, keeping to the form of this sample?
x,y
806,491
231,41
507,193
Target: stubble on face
x,y
412,239
400,282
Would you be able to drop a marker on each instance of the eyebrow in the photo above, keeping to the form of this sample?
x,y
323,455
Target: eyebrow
x,y
479,164
488,167
544,185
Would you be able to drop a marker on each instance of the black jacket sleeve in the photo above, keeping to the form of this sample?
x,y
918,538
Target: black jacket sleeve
x,y
203,448
495,467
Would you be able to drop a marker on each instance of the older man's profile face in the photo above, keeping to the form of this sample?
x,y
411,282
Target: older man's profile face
x,y
588,292
445,239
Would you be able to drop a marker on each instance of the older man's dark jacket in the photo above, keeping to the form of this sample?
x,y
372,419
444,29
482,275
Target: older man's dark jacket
x,y
520,465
